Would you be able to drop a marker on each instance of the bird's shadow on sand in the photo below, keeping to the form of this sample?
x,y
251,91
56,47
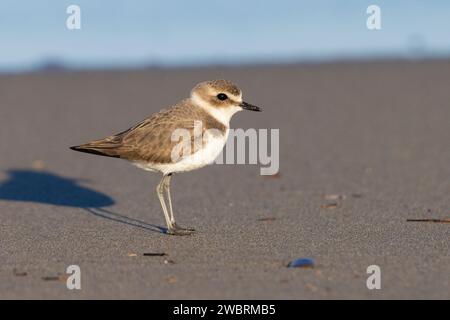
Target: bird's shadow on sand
x,y
45,187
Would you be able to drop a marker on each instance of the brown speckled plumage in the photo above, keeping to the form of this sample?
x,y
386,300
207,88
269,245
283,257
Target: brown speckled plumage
x,y
150,140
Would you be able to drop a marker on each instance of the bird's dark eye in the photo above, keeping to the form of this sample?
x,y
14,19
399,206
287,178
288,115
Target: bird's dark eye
x,y
222,96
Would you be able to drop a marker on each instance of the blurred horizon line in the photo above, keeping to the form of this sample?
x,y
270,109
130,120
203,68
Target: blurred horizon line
x,y
61,65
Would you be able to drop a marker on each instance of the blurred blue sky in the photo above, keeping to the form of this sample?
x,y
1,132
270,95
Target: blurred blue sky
x,y
119,33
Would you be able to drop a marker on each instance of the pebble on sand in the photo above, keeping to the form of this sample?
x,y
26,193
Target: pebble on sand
x,y
301,263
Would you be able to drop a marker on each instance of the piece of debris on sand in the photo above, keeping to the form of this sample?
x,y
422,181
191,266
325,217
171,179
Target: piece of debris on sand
x,y
171,279
334,197
430,220
154,254
331,205
267,219
18,273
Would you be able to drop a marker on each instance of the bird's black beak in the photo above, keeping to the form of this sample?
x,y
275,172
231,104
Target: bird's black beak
x,y
248,106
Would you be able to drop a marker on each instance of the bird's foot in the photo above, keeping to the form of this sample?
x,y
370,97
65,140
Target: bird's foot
x,y
175,226
179,231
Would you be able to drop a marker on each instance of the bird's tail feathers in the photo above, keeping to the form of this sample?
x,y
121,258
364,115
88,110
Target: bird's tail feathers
x,y
105,147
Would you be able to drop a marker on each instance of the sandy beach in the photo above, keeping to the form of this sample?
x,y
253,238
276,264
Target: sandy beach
x,y
364,146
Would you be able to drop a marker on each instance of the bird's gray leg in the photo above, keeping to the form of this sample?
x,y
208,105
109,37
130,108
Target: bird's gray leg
x,y
167,188
160,192
175,227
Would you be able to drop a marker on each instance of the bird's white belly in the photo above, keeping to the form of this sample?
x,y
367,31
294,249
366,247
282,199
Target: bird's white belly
x,y
204,156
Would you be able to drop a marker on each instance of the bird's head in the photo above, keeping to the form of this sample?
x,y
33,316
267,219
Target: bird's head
x,y
221,98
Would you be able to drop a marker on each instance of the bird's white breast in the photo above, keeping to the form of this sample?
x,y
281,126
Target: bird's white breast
x,y
203,156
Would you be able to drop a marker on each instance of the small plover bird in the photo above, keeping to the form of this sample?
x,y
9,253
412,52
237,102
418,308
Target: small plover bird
x,y
204,116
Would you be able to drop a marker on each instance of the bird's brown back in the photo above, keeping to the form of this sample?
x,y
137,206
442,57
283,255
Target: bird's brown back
x,y
150,140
